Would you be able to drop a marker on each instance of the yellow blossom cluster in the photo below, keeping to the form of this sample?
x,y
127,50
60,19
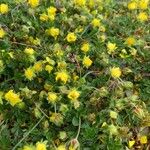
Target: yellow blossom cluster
x,y
4,8
12,97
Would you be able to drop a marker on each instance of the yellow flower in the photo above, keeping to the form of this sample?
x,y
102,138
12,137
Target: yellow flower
x,y
131,143
142,16
87,62
71,37
143,139
41,146
62,76
43,17
61,147
29,73
29,51
26,147
52,97
2,33
95,22
4,9
80,2
113,114
12,98
143,4
85,47
132,5
33,3
111,47
48,68
54,32
115,72
51,10
38,66
73,94
130,41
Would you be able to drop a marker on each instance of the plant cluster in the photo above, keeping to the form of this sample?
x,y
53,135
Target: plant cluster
x,y
74,74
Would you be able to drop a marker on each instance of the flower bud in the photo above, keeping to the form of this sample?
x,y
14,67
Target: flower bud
x,y
74,144
113,114
21,105
103,91
62,135
113,129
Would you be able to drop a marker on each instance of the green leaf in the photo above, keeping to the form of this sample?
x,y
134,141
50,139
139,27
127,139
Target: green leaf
x,y
75,121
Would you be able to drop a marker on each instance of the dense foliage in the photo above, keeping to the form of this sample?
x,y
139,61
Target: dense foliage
x,y
74,74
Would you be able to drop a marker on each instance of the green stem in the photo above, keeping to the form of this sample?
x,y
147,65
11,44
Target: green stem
x,y
28,133
42,111
79,128
55,108
87,74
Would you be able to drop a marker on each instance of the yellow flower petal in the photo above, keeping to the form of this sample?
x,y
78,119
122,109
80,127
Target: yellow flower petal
x,y
143,139
131,143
